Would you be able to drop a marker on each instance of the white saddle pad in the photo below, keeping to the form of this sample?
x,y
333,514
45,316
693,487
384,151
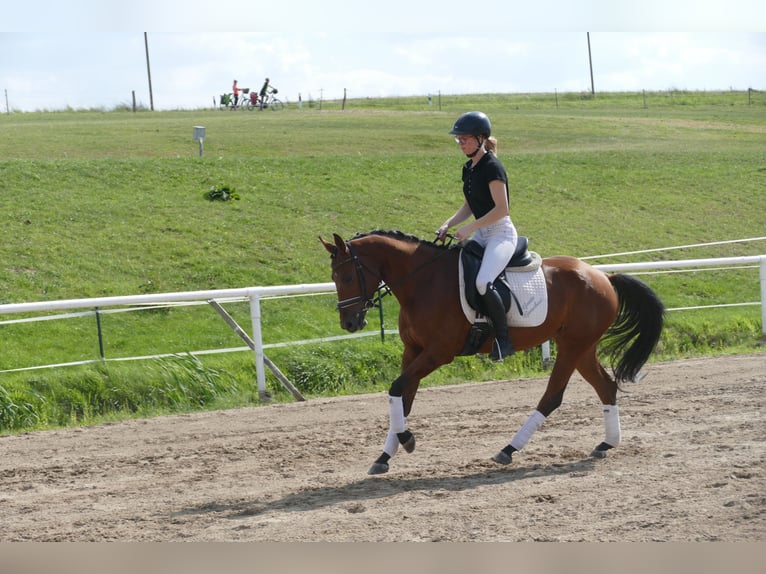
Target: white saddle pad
x,y
528,286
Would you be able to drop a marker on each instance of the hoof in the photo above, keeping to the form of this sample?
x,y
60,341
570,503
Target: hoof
x,y
378,468
600,450
502,458
409,446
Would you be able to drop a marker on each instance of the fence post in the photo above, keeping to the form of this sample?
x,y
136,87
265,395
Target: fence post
x,y
260,371
545,351
100,335
763,296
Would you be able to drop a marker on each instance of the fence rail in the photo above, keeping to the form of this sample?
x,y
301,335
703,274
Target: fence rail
x,y
255,294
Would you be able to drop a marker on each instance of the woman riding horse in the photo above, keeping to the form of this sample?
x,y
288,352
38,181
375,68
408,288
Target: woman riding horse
x,y
584,306
485,189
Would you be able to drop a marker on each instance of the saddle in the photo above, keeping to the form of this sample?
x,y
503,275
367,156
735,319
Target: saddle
x,y
472,254
470,257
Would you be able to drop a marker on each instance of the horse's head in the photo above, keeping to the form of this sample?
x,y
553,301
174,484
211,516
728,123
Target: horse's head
x,y
355,284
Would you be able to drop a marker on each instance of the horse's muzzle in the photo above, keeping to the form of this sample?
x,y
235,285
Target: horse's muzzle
x,y
353,322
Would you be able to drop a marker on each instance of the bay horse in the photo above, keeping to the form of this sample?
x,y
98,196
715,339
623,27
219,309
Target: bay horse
x,y
585,305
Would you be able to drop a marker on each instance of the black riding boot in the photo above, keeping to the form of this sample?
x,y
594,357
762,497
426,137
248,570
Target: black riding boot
x,y
496,312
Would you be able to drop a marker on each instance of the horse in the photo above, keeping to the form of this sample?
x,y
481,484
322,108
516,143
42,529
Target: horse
x,y
585,305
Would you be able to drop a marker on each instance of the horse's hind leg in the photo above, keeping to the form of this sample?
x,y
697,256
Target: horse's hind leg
x,y
606,389
550,401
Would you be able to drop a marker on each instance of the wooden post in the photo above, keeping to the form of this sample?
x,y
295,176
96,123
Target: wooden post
x,y
590,62
149,72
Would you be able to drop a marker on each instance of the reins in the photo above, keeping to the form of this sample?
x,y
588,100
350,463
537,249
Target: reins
x,y
383,287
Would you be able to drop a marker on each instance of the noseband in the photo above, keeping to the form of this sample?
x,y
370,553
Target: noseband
x,y
365,302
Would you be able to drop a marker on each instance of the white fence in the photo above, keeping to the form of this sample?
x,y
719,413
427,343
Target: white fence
x,y
255,294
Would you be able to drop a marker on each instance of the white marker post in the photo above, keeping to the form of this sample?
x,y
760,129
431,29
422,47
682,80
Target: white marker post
x,y
199,136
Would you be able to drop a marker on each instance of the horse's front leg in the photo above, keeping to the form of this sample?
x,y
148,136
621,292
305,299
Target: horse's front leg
x,y
398,434
401,395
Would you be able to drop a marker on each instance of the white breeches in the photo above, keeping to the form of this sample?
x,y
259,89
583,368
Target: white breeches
x,y
499,241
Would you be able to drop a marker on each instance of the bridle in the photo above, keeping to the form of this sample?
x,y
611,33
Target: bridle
x,y
366,303
383,289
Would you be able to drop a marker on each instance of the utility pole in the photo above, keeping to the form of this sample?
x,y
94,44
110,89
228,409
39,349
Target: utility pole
x,y
590,62
149,72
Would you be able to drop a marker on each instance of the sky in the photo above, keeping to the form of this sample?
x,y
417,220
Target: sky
x,y
81,54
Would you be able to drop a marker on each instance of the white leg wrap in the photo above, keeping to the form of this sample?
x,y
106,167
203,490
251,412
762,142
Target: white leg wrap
x,y
397,424
396,414
521,438
612,424
392,444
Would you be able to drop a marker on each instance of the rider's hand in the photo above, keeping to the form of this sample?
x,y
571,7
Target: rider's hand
x,y
463,234
441,233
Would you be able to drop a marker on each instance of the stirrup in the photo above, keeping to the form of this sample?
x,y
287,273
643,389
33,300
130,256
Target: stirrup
x,y
498,354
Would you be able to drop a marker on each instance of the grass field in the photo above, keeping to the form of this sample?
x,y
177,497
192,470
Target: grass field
x,y
113,203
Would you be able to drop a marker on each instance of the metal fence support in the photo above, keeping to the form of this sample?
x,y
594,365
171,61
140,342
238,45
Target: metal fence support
x,y
545,349
250,343
763,295
100,335
255,317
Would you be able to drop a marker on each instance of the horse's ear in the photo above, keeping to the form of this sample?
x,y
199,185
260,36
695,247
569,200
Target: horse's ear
x,y
340,244
329,246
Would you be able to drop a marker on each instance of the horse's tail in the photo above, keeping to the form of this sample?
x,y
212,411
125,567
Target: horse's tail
x,y
634,333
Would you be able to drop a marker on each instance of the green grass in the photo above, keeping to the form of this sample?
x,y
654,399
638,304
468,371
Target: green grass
x,y
114,203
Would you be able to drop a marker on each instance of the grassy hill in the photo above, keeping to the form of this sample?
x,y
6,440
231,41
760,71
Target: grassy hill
x,y
113,203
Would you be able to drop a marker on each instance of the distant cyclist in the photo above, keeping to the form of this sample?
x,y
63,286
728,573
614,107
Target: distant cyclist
x,y
235,92
264,93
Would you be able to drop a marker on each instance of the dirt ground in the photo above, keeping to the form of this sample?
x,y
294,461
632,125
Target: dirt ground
x,y
690,468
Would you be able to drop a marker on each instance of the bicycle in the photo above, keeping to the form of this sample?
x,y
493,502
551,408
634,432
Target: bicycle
x,y
226,100
271,101
246,100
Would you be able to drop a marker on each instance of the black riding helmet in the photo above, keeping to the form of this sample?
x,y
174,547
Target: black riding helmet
x,y
472,124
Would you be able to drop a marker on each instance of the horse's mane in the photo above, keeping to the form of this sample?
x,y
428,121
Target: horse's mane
x,y
401,236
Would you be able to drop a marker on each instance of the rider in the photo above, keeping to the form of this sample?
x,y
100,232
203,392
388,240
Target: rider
x,y
485,188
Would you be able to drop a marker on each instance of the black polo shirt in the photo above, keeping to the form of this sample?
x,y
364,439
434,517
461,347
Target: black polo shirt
x,y
476,181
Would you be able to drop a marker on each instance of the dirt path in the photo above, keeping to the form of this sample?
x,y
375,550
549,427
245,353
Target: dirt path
x,y
690,468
